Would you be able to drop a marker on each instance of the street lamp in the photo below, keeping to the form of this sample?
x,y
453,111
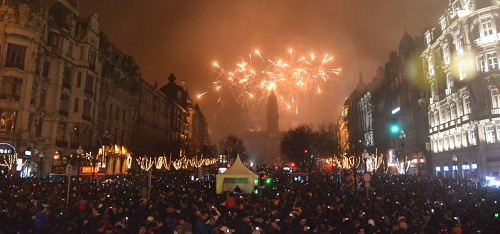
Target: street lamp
x,y
56,155
402,136
79,152
455,165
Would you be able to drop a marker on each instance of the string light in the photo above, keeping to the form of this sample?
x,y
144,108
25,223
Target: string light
x,y
145,163
129,161
9,160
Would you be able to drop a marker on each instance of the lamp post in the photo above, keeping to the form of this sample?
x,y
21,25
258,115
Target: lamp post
x,y
79,152
455,165
402,136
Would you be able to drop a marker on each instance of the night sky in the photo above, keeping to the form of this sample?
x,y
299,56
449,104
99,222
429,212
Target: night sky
x,y
187,37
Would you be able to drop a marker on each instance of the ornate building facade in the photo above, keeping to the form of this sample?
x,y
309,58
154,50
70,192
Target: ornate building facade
x,y
461,66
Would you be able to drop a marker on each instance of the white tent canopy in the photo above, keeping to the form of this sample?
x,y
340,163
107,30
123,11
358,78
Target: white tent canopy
x,y
237,174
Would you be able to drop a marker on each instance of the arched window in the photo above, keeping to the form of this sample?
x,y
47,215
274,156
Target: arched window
x,y
467,108
431,119
446,53
460,108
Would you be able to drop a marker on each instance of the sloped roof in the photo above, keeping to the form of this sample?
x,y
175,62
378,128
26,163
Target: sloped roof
x,y
237,170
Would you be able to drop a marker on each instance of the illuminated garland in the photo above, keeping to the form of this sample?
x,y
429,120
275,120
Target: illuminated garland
x,y
9,160
146,163
129,161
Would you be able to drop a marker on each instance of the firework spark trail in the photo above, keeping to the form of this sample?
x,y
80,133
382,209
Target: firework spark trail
x,y
293,79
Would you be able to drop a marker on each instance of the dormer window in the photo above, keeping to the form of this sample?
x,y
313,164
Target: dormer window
x,y
428,39
443,24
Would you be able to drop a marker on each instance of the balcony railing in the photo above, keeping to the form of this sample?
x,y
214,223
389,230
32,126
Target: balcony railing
x,y
8,134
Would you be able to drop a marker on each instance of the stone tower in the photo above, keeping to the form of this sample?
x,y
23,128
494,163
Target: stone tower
x,y
272,113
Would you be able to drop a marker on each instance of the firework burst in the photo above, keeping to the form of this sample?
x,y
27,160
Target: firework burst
x,y
293,78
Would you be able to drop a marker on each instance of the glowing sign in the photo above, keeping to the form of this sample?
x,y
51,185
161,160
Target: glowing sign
x,y
438,169
19,164
396,110
446,168
465,167
474,166
88,170
222,170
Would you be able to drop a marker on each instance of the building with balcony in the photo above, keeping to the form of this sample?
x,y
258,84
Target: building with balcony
x,y
462,69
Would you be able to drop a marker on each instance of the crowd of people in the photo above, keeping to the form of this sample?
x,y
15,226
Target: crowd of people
x,y
321,204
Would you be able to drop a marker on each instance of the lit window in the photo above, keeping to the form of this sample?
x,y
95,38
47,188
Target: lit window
x,y
435,146
431,66
457,141
461,68
446,53
449,79
490,134
460,108
436,118
472,137
440,144
448,113
487,27
428,38
492,60
453,112
464,139
446,139
481,66
443,24
452,142
467,105
459,42
431,119
495,96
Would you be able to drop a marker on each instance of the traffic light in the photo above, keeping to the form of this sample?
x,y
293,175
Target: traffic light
x,y
262,178
268,180
394,126
293,164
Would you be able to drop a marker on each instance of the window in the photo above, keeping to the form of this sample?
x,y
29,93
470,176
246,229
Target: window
x,y
92,57
77,103
15,56
480,63
453,111
8,120
46,67
472,137
449,81
452,142
461,69
458,141
431,119
110,111
466,105
38,128
11,87
63,107
446,140
443,24
428,39
70,50
61,132
487,28
74,136
89,84
435,146
124,116
433,90
117,116
53,38
460,108
87,108
446,53
464,139
459,42
82,53
43,95
448,113
492,61
431,66
440,144
497,131
490,134
436,118
495,96
67,77
443,115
